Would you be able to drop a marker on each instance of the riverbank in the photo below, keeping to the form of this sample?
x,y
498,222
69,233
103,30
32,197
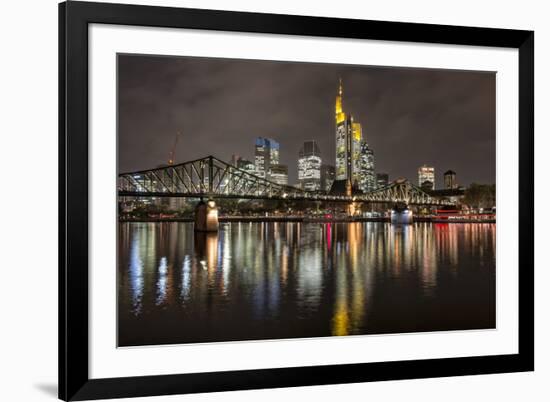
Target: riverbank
x,y
307,219
437,220
263,219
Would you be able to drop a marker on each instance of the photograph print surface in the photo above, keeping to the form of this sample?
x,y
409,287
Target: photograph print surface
x,y
274,200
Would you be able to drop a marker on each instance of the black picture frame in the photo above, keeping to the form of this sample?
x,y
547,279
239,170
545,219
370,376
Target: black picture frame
x,y
74,381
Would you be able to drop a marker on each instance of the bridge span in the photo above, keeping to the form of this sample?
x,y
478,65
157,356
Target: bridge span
x,y
212,178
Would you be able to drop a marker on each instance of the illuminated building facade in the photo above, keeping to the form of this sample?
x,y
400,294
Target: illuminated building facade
x,y
356,151
279,174
426,177
382,180
246,165
449,179
309,167
266,153
348,145
368,177
327,177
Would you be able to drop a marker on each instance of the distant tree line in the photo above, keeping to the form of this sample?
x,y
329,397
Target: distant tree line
x,y
480,195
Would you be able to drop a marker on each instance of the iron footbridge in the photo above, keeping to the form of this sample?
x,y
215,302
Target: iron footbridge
x,y
210,177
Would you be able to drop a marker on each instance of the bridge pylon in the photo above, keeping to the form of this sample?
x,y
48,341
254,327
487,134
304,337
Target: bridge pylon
x,y
401,214
206,216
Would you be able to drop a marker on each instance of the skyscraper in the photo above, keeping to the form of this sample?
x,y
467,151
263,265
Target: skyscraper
x,y
382,180
356,151
426,177
246,165
449,178
309,166
368,178
266,153
279,174
348,145
327,177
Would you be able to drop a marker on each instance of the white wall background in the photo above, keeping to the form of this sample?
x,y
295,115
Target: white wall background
x,y
28,198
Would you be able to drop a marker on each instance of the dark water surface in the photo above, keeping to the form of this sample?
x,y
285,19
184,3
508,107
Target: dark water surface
x,y
289,280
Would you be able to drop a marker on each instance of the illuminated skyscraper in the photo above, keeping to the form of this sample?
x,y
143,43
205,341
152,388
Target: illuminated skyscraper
x,y
279,174
382,180
266,153
309,166
348,145
426,177
449,178
356,153
246,165
327,177
368,178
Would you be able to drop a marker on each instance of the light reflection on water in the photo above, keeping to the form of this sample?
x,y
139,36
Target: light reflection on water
x,y
281,280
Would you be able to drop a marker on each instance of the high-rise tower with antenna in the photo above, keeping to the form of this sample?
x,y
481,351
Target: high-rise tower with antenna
x,y
348,146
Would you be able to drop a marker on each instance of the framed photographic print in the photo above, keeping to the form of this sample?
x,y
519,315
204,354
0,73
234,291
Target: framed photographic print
x,y
255,200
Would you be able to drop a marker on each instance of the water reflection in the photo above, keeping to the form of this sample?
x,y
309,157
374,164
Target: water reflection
x,y
136,277
185,278
162,281
279,280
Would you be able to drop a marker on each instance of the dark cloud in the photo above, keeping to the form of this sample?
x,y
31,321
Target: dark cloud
x,y
410,116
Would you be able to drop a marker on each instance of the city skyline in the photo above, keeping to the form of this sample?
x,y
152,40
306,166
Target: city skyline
x,y
150,76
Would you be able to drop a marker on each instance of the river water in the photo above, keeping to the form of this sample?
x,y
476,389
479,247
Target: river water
x,y
297,280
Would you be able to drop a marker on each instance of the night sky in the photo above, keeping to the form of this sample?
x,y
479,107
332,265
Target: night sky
x,y
443,118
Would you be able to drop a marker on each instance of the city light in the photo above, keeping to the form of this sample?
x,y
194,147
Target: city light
x,y
352,179
301,236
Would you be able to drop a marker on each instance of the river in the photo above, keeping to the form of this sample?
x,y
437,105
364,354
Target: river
x,y
297,280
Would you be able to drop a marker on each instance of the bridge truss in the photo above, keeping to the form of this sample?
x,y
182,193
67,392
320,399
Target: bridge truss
x,y
403,191
212,178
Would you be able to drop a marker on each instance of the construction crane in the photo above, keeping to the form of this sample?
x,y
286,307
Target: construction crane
x,y
173,151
